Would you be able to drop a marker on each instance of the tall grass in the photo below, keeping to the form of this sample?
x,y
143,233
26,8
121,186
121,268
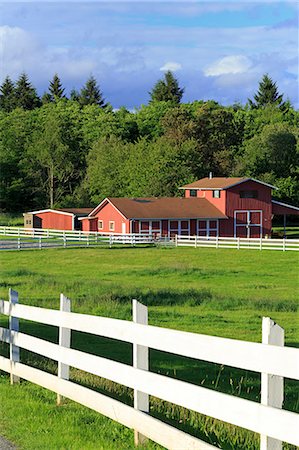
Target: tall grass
x,y
11,219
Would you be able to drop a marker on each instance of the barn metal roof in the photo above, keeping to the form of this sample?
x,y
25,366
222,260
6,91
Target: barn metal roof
x,y
221,183
280,208
163,208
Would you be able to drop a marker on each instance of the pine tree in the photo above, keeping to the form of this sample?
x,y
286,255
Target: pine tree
x,y
90,94
167,90
46,98
267,94
7,95
74,95
26,96
55,88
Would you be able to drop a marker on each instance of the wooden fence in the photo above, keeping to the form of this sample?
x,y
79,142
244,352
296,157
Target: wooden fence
x,y
270,358
237,243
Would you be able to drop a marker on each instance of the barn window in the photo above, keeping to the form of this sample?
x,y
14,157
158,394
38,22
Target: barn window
x,y
193,193
248,194
216,193
111,225
100,224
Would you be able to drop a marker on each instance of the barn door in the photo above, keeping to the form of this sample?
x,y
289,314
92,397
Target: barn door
x,y
248,224
255,224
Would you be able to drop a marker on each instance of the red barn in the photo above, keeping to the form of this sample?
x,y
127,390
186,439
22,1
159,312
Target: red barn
x,y
57,219
236,207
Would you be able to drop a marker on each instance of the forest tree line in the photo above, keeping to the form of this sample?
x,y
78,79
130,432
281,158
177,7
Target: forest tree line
x,y
72,152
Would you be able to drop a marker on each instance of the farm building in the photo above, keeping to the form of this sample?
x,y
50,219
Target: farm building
x,y
58,219
237,207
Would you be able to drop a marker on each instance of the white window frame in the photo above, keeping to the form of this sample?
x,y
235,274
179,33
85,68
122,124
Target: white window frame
x,y
179,226
102,226
111,225
208,229
150,227
218,193
248,224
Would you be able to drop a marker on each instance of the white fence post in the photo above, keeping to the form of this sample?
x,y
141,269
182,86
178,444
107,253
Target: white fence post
x,y
19,244
176,240
14,351
140,361
64,341
40,243
271,386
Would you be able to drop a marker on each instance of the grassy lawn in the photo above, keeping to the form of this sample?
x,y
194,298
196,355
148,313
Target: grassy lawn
x,y
220,292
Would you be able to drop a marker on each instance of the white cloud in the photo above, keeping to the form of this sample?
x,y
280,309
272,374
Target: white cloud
x,y
228,65
172,66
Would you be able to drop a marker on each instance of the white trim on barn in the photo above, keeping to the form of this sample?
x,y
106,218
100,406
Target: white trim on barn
x,y
248,224
208,228
285,205
49,210
179,229
156,231
97,208
228,187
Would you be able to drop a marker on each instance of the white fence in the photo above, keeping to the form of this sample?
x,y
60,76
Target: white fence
x,y
24,238
270,358
237,243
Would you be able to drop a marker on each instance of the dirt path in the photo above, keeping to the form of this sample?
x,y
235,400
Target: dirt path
x,y
5,445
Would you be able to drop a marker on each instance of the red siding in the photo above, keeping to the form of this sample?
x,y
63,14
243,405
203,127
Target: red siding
x,y
110,213
218,202
193,227
56,221
280,210
85,225
235,203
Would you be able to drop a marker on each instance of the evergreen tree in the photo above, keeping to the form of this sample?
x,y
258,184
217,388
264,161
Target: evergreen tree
x,y
267,94
55,88
74,95
7,95
90,94
167,90
46,98
26,96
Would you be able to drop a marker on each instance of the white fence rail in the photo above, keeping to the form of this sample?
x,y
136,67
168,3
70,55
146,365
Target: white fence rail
x,y
272,360
25,238
237,243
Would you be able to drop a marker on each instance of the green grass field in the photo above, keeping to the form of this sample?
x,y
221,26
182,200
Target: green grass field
x,y
220,292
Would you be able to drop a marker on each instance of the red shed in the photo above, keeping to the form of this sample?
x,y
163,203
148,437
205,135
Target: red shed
x,y
57,219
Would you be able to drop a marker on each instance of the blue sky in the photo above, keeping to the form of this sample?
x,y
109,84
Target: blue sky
x,y
218,50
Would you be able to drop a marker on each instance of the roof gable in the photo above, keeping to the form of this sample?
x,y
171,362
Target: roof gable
x,y
221,183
